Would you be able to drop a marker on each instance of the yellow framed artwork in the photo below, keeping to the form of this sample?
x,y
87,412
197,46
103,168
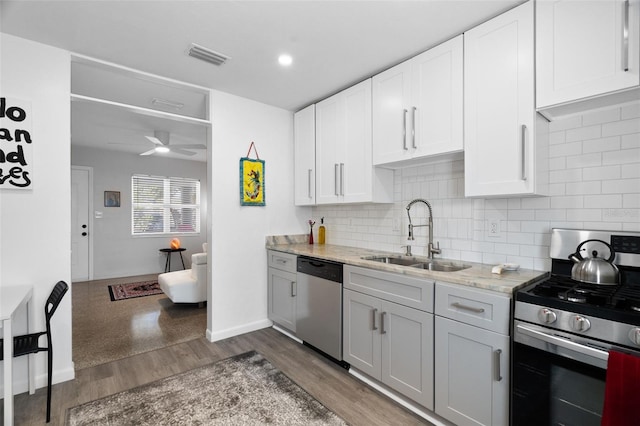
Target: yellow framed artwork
x,y
252,180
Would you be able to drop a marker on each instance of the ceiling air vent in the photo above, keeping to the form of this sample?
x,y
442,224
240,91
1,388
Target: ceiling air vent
x,y
207,55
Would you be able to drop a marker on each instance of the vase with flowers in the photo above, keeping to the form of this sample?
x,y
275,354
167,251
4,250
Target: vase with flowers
x,y
311,223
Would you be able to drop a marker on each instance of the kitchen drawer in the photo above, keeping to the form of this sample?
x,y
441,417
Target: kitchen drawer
x,y
408,291
282,261
480,308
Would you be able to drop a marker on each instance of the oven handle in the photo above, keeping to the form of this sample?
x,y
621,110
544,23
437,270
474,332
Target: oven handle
x,y
567,344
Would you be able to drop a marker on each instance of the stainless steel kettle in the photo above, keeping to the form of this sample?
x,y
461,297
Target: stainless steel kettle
x,y
594,270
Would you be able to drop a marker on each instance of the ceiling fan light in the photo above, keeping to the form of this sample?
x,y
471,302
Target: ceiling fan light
x,y
162,149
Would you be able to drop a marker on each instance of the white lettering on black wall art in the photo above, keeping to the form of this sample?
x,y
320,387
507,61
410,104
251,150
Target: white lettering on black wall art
x,y
16,144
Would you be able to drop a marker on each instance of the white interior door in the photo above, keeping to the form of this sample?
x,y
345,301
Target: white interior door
x,y
80,226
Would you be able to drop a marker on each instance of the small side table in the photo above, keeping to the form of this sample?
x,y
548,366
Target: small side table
x,y
168,251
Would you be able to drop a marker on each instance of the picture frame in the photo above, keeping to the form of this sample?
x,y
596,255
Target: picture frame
x,y
112,198
252,191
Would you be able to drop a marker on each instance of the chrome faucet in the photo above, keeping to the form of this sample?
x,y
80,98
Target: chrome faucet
x,y
431,249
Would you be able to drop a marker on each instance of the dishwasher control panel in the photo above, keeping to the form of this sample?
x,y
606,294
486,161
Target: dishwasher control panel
x,y
328,270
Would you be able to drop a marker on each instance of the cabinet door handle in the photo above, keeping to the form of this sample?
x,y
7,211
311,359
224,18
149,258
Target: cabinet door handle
x,y
341,178
496,364
373,317
293,289
382,330
625,38
404,129
309,180
413,127
335,179
467,308
523,139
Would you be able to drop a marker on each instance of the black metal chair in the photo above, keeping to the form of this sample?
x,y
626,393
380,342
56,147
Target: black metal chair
x,y
29,343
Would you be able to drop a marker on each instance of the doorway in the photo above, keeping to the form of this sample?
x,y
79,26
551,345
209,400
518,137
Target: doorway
x,y
81,223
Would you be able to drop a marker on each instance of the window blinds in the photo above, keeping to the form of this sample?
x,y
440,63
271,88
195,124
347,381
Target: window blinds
x,y
164,205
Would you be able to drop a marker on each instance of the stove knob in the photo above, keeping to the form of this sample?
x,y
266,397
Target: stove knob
x,y
579,323
634,335
547,316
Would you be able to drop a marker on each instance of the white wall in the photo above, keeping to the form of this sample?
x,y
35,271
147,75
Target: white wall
x,y
35,224
238,302
595,184
116,252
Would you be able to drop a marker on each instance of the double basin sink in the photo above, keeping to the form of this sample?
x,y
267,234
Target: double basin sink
x,y
419,263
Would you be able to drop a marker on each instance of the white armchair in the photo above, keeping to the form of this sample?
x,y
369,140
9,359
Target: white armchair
x,y
189,285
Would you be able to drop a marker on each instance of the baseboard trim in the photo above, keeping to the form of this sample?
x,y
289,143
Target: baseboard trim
x,y
21,384
236,331
432,417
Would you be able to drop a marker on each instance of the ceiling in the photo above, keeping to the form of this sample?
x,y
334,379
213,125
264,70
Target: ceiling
x,y
334,44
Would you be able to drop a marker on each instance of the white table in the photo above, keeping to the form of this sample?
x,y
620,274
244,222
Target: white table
x,y
12,298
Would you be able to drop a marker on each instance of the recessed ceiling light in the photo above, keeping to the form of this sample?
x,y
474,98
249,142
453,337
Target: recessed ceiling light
x,y
285,60
162,149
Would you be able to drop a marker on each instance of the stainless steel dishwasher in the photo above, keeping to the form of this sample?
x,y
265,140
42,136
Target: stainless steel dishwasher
x,y
319,305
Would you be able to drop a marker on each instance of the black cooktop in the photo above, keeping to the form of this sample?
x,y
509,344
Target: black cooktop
x,y
614,302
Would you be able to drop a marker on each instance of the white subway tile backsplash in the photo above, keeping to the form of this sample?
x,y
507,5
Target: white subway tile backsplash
x,y
601,116
601,173
622,127
594,162
584,133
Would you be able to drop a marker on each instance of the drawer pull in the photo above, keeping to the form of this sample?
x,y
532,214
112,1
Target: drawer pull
x,y
496,360
373,316
467,308
283,261
382,330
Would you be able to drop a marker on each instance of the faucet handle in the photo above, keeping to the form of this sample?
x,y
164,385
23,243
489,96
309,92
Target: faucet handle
x,y
436,249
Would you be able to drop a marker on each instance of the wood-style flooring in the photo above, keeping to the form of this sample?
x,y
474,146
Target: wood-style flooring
x,y
351,399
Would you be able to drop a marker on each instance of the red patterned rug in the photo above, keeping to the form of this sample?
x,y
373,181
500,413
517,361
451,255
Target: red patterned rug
x,y
131,290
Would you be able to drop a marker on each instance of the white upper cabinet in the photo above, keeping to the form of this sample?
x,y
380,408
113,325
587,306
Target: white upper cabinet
x,y
304,123
417,106
344,171
586,49
505,141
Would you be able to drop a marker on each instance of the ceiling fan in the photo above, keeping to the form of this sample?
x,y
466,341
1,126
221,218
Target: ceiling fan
x,y
161,140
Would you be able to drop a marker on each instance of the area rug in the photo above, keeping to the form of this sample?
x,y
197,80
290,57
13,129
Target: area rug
x,y
131,290
242,390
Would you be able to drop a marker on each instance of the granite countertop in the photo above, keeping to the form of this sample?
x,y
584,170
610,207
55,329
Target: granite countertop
x,y
478,275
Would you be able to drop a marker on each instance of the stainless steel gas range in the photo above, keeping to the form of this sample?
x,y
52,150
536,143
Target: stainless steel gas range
x,y
564,328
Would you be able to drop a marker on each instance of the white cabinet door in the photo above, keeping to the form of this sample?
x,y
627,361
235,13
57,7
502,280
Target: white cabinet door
x,y
329,140
304,147
391,103
585,49
407,352
344,169
436,110
417,106
499,105
471,374
282,298
361,333
356,168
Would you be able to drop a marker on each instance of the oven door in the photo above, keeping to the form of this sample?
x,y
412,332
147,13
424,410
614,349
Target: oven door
x,y
558,378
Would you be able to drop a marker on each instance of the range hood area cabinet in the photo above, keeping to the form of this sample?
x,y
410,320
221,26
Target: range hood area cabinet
x,y
417,106
593,60
343,171
506,142
304,130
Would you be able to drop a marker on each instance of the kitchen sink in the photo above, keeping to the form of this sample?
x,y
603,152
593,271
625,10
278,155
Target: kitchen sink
x,y
441,266
420,263
394,260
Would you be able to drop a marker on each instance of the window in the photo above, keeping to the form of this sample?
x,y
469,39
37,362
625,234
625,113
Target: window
x,y
164,205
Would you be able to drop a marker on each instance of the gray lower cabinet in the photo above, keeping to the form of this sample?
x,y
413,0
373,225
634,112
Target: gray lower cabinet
x,y
282,289
472,356
387,341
